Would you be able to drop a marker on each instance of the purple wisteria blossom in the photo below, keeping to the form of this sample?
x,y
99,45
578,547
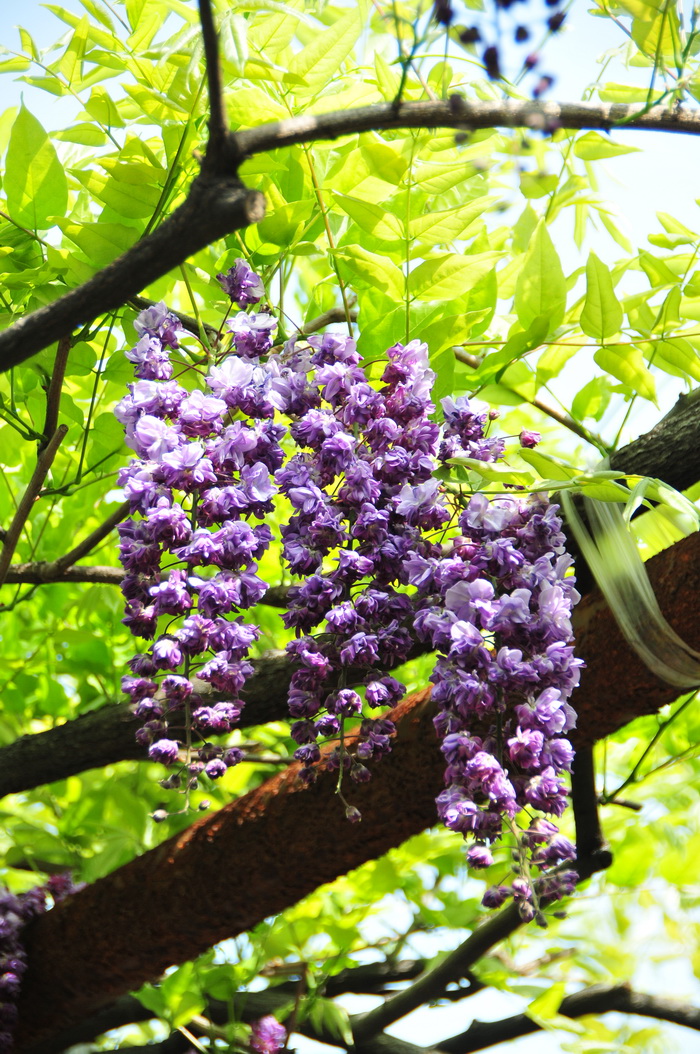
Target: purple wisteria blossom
x,y
267,1035
384,555
242,284
198,480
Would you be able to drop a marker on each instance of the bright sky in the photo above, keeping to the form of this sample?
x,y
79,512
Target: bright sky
x,y
663,177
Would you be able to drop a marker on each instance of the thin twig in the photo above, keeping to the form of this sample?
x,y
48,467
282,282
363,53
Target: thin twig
x,y
598,999
28,498
328,318
458,963
41,573
53,395
559,416
93,539
452,968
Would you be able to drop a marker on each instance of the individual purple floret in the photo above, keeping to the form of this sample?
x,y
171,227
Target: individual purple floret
x,y
242,284
267,1035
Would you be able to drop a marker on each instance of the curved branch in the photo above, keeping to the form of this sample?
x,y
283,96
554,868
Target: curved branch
x,y
218,203
599,999
104,736
252,859
27,500
366,978
41,573
465,115
214,207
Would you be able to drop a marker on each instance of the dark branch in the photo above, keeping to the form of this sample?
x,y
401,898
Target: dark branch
x,y
104,736
589,835
599,999
213,208
457,964
218,203
367,978
53,396
218,124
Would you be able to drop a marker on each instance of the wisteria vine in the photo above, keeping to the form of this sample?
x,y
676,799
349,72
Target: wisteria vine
x,y
386,554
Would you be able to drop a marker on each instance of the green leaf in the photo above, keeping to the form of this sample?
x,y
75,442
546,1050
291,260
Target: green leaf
x,y
675,356
592,400
547,466
541,287
626,362
545,1006
73,55
658,273
83,133
320,61
602,312
449,276
372,218
387,80
326,1016
372,270
35,180
436,228
595,147
494,472
496,363
101,242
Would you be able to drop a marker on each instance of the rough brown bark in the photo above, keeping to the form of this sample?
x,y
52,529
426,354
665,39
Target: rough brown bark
x,y
265,851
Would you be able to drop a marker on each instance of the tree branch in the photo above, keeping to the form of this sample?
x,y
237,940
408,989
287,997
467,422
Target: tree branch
x,y
218,123
250,860
590,841
214,207
468,116
53,396
366,978
92,540
599,999
218,203
28,498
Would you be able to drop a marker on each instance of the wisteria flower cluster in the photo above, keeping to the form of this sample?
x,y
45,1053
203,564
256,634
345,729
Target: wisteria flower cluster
x,y
386,554
16,910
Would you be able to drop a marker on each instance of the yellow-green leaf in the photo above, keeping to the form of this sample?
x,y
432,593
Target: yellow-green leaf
x,y
594,147
449,276
541,286
372,218
602,312
627,364
35,181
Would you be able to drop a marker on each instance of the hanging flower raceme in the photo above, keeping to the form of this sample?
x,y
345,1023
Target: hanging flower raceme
x,y
199,483
386,555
